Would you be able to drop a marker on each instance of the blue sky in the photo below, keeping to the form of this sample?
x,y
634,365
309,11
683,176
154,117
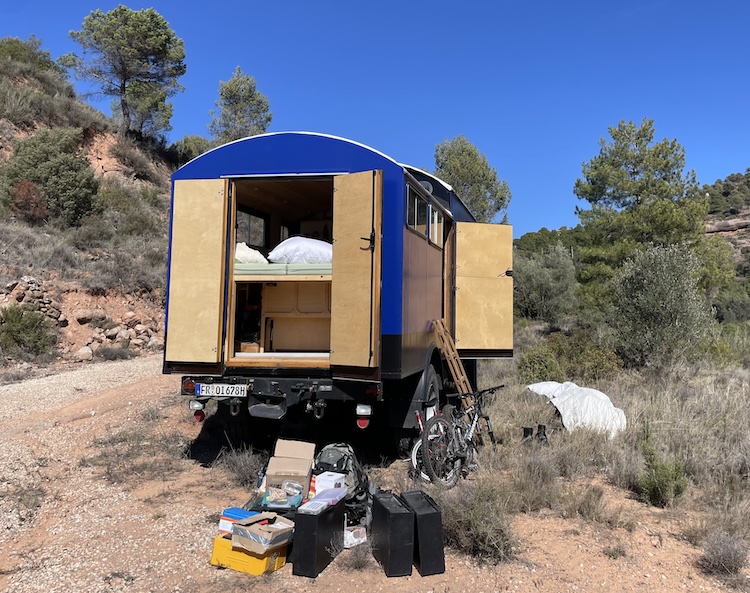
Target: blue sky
x,y
532,84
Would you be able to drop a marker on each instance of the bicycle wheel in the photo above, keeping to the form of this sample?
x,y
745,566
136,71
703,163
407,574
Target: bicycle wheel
x,y
416,462
440,463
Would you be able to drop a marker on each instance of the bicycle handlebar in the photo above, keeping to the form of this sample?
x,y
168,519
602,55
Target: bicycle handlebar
x,y
481,392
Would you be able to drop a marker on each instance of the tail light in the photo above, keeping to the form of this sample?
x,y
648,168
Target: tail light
x,y
199,415
363,422
188,386
364,411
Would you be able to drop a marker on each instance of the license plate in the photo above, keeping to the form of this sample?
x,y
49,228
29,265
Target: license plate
x,y
221,389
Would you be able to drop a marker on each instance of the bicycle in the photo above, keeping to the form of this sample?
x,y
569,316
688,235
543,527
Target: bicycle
x,y
449,440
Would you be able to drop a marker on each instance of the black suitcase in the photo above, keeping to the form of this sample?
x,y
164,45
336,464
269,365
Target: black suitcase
x,y
392,534
429,554
317,540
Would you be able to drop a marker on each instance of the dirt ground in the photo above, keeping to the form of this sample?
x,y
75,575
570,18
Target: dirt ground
x,y
69,524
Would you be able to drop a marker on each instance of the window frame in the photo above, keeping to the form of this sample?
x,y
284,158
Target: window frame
x,y
414,197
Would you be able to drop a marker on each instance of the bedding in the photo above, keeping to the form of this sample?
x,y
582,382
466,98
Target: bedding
x,y
247,255
281,269
302,250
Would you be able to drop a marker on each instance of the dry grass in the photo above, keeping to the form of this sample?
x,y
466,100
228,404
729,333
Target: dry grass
x,y
135,455
723,554
243,464
475,518
357,558
695,420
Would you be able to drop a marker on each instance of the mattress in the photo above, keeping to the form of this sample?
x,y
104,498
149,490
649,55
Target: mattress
x,y
259,269
281,269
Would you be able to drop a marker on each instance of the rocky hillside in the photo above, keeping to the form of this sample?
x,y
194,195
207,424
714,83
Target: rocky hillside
x,y
83,221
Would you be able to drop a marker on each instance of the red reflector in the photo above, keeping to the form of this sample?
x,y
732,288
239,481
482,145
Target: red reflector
x,y
199,415
188,386
363,422
373,390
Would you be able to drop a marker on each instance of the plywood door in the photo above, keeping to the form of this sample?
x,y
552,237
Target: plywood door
x,y
484,291
197,271
355,285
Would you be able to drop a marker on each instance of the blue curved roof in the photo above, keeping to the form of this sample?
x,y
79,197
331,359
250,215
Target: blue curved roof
x,y
286,153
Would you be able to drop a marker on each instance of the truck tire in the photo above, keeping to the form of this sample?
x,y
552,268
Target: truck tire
x,y
432,390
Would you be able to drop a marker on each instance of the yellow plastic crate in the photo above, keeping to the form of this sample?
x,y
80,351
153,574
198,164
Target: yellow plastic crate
x,y
225,556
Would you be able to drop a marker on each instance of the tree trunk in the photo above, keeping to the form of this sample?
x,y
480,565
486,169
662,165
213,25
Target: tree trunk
x,y
125,107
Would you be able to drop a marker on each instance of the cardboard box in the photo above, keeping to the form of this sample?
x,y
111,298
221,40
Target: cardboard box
x,y
248,347
262,532
224,556
292,460
326,481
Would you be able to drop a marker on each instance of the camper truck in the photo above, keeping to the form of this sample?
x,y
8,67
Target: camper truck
x,y
352,328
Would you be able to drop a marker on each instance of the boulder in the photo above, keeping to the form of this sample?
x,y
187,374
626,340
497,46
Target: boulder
x,y
84,354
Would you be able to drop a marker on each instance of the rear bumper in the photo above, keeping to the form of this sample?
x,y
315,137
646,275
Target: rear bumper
x,y
271,397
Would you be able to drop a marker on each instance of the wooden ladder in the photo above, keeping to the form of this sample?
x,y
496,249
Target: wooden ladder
x,y
448,347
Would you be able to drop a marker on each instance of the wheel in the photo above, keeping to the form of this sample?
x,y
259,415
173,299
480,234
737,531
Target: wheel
x,y
416,462
432,393
441,465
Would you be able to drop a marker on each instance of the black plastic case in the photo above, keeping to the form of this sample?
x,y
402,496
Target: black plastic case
x,y
392,534
429,553
317,540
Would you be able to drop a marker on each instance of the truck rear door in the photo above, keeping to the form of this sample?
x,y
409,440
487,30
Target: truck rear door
x,y
197,271
483,290
355,282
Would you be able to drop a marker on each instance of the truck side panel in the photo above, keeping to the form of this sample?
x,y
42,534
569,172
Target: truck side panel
x,y
195,306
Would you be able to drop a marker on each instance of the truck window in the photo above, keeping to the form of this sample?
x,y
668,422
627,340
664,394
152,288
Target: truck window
x,y
417,212
252,229
436,227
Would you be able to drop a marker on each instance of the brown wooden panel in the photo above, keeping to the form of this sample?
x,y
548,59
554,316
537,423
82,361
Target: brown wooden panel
x,y
303,334
196,271
280,360
313,297
355,288
484,293
280,298
449,280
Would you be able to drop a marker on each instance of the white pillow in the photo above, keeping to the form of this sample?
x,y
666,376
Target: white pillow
x,y
302,250
247,255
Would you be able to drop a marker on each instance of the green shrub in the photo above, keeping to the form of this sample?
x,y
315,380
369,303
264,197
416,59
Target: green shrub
x,y
663,480
127,152
539,363
660,314
53,161
187,148
70,188
35,90
544,284
94,232
130,210
24,333
109,353
16,104
581,357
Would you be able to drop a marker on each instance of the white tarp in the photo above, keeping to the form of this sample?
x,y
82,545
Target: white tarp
x,y
582,406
